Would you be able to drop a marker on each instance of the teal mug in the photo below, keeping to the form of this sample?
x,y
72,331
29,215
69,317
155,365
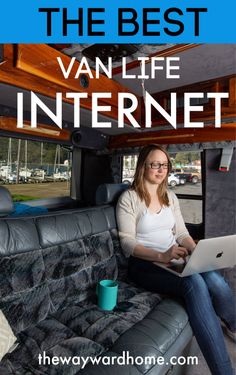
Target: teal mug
x,y
107,291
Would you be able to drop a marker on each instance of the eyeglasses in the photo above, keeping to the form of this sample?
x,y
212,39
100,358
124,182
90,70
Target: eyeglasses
x,y
159,165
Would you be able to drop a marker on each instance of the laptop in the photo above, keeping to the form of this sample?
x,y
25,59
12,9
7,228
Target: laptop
x,y
209,254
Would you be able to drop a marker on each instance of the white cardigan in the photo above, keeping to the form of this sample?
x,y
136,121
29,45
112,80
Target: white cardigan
x,y
128,211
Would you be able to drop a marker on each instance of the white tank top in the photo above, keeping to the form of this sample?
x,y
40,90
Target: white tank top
x,y
154,230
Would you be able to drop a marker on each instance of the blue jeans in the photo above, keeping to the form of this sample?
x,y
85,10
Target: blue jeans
x,y
206,296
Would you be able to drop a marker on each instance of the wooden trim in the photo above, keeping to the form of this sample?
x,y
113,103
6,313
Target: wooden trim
x,y
45,131
232,92
41,61
34,67
215,84
196,117
208,134
228,108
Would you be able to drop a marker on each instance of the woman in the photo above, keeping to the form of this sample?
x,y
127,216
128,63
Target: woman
x,y
152,229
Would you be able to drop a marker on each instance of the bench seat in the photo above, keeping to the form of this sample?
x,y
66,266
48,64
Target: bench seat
x,y
49,268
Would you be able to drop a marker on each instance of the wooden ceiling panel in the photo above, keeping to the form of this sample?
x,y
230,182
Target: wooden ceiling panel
x,y
208,134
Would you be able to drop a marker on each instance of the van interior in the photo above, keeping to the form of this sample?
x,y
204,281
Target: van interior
x,y
58,226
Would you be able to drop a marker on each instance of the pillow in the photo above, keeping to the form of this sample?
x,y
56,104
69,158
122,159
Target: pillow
x,y
7,338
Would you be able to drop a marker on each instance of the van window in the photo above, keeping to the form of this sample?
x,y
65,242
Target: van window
x,y
34,170
129,165
185,180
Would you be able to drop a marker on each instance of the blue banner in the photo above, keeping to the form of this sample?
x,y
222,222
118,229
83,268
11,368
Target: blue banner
x,y
106,21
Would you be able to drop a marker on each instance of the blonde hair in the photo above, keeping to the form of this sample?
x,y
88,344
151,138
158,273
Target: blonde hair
x,y
138,183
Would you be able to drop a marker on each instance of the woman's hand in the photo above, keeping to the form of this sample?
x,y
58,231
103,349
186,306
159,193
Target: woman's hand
x,y
174,252
189,243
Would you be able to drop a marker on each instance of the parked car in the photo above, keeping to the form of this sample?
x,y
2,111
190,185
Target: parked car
x,y
174,180
195,175
190,175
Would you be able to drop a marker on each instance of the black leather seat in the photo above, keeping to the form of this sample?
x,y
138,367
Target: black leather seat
x,y
49,268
